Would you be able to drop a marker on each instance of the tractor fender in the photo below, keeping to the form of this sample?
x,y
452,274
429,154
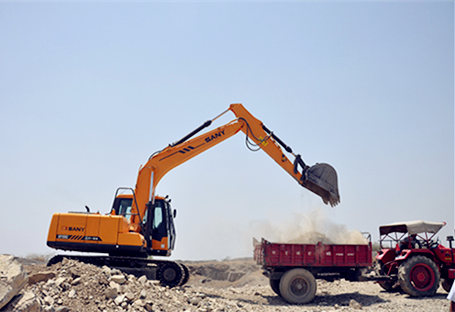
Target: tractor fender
x,y
407,253
386,255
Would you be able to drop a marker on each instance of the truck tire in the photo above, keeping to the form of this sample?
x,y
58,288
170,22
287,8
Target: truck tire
x,y
419,276
446,284
298,286
275,285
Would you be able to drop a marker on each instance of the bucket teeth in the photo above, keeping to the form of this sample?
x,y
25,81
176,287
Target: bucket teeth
x,y
322,179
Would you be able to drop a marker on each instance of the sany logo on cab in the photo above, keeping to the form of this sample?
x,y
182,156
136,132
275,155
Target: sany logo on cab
x,y
73,228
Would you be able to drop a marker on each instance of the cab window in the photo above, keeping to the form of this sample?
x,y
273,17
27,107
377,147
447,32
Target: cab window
x,y
158,219
124,208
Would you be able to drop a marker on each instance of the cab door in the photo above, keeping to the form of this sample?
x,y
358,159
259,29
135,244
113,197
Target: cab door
x,y
157,228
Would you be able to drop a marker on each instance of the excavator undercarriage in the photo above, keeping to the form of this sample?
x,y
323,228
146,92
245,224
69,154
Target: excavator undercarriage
x,y
169,273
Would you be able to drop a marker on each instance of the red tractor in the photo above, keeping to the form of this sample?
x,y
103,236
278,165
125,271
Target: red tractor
x,y
413,259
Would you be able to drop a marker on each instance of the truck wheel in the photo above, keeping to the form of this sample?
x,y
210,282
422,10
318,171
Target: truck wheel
x,y
419,276
298,286
275,285
446,284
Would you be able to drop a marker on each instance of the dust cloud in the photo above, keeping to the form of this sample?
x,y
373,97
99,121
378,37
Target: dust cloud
x,y
307,228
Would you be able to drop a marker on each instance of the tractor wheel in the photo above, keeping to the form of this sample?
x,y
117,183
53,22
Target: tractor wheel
x,y
275,285
419,276
298,286
170,274
446,284
389,286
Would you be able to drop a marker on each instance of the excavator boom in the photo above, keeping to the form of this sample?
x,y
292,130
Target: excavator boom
x,y
321,179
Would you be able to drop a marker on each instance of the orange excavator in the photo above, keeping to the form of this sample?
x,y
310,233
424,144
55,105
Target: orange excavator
x,y
141,224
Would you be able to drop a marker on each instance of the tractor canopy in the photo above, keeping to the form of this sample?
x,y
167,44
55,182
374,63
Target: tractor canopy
x,y
411,227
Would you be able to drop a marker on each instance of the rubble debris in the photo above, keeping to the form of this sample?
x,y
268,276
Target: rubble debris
x,y
12,279
78,286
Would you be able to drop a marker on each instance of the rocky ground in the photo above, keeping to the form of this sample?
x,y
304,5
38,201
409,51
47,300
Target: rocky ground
x,y
234,285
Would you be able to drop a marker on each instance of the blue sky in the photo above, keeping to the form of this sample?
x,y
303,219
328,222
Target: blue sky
x,y
89,90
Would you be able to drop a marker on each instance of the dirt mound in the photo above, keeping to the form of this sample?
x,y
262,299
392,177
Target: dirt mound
x,y
227,273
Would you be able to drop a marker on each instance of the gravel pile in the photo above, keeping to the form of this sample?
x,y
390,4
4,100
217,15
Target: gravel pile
x,y
75,286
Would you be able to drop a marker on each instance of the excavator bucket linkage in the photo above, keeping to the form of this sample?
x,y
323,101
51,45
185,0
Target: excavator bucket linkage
x,y
321,179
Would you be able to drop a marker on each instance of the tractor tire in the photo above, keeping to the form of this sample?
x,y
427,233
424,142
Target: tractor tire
x,y
419,276
275,285
170,274
446,284
298,286
389,286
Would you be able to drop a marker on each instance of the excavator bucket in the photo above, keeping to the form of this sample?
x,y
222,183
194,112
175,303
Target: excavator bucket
x,y
322,179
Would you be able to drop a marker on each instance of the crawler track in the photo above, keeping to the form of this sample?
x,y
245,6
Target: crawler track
x,y
169,273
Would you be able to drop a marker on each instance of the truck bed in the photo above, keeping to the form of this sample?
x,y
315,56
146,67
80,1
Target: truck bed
x,y
273,255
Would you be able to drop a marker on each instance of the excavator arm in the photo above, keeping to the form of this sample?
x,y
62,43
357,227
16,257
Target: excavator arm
x,y
321,179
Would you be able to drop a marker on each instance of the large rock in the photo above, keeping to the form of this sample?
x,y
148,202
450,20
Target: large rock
x,y
111,293
28,302
12,278
40,277
119,279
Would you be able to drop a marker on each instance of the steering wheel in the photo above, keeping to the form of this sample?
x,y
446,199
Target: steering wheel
x,y
431,244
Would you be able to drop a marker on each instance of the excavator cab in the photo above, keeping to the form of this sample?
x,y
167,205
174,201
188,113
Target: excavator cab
x,y
157,223
158,227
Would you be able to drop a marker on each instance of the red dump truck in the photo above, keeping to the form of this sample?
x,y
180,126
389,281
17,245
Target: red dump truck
x,y
293,268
